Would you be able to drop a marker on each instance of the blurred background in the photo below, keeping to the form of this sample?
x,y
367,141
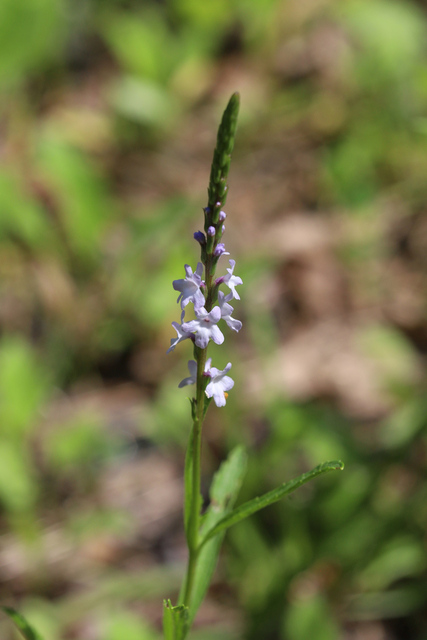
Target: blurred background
x,y
109,112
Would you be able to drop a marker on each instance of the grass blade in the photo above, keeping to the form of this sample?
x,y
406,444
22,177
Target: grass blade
x,y
21,624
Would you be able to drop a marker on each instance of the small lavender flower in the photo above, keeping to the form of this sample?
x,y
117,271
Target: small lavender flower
x,y
190,287
192,367
211,231
230,280
218,386
181,334
205,327
227,310
222,216
220,250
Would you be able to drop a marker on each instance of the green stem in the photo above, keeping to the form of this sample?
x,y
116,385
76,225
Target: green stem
x,y
189,577
193,537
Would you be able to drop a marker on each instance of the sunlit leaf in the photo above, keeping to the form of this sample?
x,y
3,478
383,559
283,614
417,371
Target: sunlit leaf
x,y
252,506
22,217
24,627
310,617
24,385
18,489
85,206
30,35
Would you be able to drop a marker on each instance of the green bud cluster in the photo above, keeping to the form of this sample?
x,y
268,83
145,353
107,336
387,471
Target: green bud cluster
x,y
217,190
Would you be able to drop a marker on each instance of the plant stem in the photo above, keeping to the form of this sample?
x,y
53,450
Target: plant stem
x,y
193,538
189,577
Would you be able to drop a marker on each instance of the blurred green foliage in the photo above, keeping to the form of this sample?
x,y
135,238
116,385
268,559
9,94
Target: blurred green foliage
x,y
108,114
31,34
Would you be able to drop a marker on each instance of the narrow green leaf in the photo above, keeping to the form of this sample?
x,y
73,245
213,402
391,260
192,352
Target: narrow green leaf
x,y
224,490
21,624
227,481
252,506
175,621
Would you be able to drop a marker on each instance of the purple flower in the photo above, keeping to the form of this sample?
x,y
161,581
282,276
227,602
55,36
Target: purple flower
x,y
200,237
218,386
232,281
220,249
211,231
222,216
205,327
190,287
227,310
181,334
192,367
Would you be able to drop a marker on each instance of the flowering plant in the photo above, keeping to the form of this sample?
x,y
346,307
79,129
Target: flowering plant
x,y
211,305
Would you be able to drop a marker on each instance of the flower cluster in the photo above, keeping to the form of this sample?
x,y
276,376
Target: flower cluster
x,y
193,289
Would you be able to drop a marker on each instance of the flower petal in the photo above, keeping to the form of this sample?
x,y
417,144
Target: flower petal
x,y
186,381
227,383
216,334
215,314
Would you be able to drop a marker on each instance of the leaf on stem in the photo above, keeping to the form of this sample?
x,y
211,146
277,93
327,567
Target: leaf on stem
x,y
252,506
21,624
175,621
223,493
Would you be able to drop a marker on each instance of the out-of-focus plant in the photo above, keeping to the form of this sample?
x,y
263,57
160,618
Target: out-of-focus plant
x,y
24,386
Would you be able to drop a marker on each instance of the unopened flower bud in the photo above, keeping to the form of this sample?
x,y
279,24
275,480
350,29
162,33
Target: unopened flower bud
x,y
211,231
222,216
200,237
